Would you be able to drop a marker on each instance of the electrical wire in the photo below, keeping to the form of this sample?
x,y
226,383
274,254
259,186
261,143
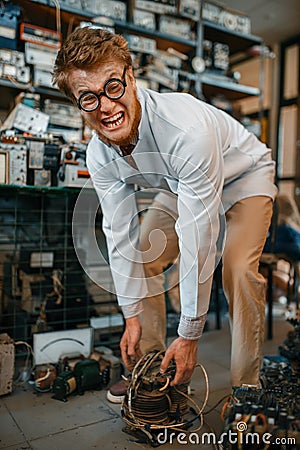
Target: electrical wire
x,y
70,25
225,406
25,373
227,396
38,381
17,84
159,406
28,347
58,17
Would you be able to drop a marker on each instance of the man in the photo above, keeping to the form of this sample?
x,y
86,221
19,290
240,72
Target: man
x,y
179,144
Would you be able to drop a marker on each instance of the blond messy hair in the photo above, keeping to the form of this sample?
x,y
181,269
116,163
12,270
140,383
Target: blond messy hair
x,y
87,48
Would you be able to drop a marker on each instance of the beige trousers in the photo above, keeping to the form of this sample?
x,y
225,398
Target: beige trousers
x,y
248,223
159,244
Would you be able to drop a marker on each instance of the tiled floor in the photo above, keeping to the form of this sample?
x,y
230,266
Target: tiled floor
x,y
36,421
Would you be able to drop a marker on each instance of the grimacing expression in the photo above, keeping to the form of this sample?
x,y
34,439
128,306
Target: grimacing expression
x,y
115,121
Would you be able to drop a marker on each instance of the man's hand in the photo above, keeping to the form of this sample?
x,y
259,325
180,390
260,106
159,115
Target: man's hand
x,y
184,353
129,345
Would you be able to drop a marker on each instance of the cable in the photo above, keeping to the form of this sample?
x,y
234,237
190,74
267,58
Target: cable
x,y
151,404
17,84
44,382
228,396
58,19
25,373
29,348
224,408
70,25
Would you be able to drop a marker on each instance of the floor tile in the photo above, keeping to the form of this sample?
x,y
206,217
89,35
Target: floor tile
x,y
39,414
10,433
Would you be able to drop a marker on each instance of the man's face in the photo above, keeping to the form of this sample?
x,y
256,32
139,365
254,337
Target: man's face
x,y
115,121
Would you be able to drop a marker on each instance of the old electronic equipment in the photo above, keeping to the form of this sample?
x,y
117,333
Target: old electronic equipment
x,y
9,26
158,6
63,385
75,176
27,119
49,346
107,360
39,55
228,18
151,404
73,171
43,77
4,166
14,157
145,19
41,36
141,44
190,8
13,67
85,375
114,9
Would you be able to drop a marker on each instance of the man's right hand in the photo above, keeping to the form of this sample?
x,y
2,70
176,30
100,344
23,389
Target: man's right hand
x,y
130,342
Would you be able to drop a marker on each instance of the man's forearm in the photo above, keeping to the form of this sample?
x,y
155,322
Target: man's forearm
x,y
189,327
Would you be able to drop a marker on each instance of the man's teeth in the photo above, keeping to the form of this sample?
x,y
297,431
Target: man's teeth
x,y
114,121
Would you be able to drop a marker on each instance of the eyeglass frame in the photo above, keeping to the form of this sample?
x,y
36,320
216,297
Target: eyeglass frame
x,y
122,81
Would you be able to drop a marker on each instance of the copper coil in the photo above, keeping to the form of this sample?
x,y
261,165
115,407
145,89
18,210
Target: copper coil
x,y
152,406
178,399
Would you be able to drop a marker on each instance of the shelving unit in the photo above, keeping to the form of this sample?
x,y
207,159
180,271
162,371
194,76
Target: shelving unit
x,y
38,220
210,84
42,285
288,119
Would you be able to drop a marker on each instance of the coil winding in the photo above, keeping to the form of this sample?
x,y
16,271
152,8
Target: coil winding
x,y
152,404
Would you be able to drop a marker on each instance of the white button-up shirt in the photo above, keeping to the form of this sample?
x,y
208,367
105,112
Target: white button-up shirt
x,y
202,155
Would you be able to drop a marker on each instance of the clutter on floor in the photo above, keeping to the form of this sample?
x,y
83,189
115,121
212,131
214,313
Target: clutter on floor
x,y
260,418
61,362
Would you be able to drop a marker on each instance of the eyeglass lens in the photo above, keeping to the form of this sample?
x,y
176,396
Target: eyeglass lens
x,y
113,89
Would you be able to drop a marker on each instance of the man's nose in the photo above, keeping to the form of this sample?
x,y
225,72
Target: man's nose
x,y
105,104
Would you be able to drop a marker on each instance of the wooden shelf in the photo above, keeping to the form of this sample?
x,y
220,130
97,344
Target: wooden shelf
x,y
234,91
237,42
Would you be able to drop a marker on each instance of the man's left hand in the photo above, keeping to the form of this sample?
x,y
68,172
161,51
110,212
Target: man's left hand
x,y
130,342
184,353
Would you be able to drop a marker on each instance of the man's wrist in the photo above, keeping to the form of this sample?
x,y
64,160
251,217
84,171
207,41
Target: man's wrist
x,y
191,327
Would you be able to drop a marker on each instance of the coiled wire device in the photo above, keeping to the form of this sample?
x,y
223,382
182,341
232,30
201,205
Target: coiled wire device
x,y
151,404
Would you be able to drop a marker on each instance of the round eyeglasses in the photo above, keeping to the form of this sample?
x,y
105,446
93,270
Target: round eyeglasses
x,y
114,88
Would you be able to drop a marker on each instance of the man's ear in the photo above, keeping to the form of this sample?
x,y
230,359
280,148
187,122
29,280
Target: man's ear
x,y
131,75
